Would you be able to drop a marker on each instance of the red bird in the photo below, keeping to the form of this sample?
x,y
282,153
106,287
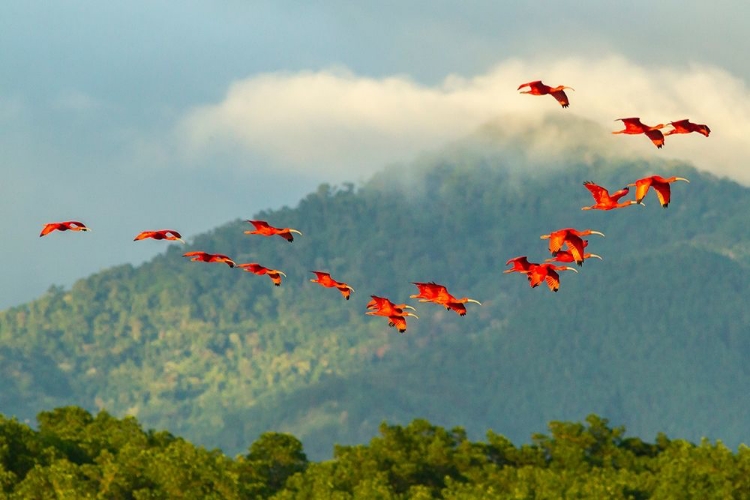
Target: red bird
x,y
209,257
324,279
604,200
634,126
71,225
660,185
520,264
546,273
264,229
253,267
685,127
162,234
572,238
432,292
380,306
538,88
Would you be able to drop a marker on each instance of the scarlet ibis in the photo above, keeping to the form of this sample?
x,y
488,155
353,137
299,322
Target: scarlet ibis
x,y
254,267
324,279
71,225
538,88
209,257
547,273
660,185
572,238
634,126
432,292
604,200
520,264
685,127
263,228
161,234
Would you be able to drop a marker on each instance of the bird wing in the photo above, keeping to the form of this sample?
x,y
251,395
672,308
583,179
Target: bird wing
x,y
48,228
561,97
615,197
398,322
656,137
575,245
553,280
259,224
556,241
143,235
194,254
663,192
535,83
286,235
599,193
632,124
172,232
457,307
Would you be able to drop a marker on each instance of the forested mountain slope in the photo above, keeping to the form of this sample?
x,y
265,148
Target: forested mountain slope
x,y
655,336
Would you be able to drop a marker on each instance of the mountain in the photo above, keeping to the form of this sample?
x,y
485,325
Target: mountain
x,y
654,336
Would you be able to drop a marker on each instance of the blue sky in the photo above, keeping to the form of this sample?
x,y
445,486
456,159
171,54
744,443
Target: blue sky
x,y
186,115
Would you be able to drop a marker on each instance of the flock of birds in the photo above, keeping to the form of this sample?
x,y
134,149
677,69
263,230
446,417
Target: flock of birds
x,y
566,245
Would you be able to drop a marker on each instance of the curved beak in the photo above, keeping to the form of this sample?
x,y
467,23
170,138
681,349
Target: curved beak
x,y
282,274
544,237
594,256
571,269
295,231
181,241
474,301
408,307
569,88
597,232
410,314
682,179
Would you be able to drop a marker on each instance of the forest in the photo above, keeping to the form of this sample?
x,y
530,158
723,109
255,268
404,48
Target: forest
x,y
76,455
655,335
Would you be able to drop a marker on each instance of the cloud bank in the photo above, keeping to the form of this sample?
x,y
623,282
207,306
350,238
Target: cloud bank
x,y
334,123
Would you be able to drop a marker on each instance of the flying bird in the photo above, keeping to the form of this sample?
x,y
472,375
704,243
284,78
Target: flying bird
x,y
685,127
264,229
161,234
660,185
538,88
396,313
432,292
547,273
604,200
71,225
570,237
254,267
520,264
209,257
324,279
634,126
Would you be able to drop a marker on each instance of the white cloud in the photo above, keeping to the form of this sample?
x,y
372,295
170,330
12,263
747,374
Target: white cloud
x,y
332,121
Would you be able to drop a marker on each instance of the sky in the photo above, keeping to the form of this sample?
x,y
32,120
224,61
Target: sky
x,y
189,114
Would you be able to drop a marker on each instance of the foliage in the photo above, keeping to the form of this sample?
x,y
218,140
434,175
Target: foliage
x,y
77,455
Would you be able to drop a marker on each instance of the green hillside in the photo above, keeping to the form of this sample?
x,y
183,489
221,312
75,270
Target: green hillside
x,y
654,336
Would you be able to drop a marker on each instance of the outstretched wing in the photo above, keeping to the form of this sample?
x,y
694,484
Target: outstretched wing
x,y
48,228
656,137
561,97
615,197
260,224
663,192
632,125
599,193
534,84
